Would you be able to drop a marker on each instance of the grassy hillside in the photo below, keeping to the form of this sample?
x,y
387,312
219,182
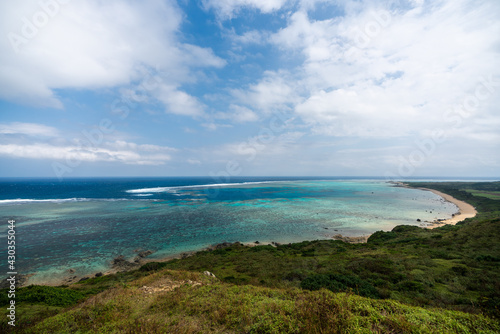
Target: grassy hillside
x,y
183,302
407,280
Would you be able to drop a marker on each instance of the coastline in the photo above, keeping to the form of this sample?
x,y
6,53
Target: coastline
x,y
465,211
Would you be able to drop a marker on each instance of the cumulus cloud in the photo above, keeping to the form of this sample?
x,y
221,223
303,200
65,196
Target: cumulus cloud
x,y
90,45
275,91
179,102
377,72
380,71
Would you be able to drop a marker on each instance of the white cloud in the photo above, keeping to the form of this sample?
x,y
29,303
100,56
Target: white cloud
x,y
30,129
382,72
120,152
249,37
274,92
179,102
226,9
92,44
263,146
238,114
242,114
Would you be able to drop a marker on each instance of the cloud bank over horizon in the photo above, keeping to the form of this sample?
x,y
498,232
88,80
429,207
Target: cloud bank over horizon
x,y
250,87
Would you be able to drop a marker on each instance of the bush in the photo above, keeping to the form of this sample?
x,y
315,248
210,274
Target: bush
x,y
406,228
488,258
267,248
460,270
411,286
295,275
339,283
152,266
49,295
381,236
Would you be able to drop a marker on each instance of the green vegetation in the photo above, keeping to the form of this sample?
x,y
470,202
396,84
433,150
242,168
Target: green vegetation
x,y
208,306
408,280
487,194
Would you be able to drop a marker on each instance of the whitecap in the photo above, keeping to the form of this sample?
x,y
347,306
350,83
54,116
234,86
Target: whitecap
x,y
29,200
197,186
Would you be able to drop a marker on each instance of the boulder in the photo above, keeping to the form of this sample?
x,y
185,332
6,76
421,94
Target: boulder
x,y
145,253
209,274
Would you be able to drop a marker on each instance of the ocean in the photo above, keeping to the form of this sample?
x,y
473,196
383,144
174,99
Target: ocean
x,y
78,226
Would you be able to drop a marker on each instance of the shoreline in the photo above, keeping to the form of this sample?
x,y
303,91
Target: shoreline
x,y
465,210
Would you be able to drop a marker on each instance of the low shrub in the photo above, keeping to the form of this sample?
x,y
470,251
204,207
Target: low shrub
x,y
48,295
411,286
340,283
152,266
381,236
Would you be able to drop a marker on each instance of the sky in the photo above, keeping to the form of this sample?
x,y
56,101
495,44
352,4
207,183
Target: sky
x,y
227,88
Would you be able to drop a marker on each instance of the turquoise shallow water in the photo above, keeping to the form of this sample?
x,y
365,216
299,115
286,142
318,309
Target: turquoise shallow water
x,y
61,229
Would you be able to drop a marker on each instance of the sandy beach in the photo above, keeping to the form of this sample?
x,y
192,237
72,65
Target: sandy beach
x,y
465,210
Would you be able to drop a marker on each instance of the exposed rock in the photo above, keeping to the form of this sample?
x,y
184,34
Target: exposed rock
x,y
223,245
145,253
351,240
119,259
167,285
142,255
83,279
418,220
98,274
121,264
209,274
20,281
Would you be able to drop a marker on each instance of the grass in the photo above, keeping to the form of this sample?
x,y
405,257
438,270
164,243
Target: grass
x,y
217,307
445,280
488,194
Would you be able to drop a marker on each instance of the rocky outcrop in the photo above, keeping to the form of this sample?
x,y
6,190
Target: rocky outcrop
x,y
119,263
223,245
142,255
351,240
209,274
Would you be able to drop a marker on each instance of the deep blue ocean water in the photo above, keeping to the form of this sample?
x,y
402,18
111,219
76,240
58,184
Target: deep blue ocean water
x,y
82,224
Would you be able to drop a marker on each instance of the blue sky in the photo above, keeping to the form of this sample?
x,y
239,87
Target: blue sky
x,y
249,87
